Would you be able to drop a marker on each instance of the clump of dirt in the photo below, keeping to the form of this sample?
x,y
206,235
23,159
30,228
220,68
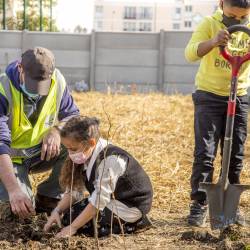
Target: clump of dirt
x,y
5,211
227,244
28,234
18,230
233,232
25,234
231,238
199,234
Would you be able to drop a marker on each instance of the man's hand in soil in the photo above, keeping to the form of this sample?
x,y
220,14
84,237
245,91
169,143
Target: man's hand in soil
x,y
51,144
54,218
66,232
20,203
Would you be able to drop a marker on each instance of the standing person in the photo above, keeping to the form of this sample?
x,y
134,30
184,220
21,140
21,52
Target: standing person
x,y
210,99
116,182
33,99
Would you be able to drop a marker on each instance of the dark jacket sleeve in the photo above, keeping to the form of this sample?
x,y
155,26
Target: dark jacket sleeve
x,y
67,106
5,135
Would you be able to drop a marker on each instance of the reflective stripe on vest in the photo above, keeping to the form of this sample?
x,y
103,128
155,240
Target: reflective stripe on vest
x,y
24,136
5,86
4,80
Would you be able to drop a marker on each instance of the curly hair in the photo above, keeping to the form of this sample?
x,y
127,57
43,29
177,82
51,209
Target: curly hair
x,y
66,176
80,129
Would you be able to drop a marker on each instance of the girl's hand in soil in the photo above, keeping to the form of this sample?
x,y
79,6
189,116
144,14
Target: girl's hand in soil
x,y
55,217
66,232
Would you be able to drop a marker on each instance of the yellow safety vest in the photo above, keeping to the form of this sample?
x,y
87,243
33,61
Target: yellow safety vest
x,y
23,134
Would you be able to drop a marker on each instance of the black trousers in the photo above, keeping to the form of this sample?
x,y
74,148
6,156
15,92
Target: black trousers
x,y
104,222
210,112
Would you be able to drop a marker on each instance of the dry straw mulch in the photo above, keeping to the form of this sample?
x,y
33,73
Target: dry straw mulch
x,y
158,130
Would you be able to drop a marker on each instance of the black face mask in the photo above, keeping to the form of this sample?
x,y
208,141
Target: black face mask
x,y
230,21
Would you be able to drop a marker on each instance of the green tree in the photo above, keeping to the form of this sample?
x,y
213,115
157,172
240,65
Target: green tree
x,y
80,29
15,15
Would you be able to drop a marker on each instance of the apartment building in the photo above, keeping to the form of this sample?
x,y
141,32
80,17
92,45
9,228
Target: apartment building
x,y
139,16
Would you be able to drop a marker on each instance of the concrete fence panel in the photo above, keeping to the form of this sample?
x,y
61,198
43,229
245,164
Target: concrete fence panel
x,y
105,60
179,75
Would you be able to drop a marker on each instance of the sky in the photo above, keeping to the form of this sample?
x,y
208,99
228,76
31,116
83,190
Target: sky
x,y
70,13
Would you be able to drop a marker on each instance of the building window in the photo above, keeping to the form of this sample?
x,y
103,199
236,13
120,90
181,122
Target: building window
x,y
178,10
99,25
145,27
187,24
177,14
145,13
176,26
129,26
130,13
188,8
98,11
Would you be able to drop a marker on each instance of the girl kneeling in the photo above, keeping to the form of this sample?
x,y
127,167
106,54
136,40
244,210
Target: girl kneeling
x,y
120,192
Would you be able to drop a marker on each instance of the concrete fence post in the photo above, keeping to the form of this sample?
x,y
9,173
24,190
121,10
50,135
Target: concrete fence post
x,y
161,61
92,60
24,45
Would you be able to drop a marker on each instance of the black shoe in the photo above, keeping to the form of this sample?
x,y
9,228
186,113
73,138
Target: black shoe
x,y
198,214
75,210
45,204
143,224
139,226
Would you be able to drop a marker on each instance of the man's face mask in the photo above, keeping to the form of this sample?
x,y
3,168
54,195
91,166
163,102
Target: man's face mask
x,y
230,21
22,86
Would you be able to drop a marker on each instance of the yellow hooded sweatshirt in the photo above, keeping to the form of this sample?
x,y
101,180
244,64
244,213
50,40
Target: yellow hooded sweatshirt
x,y
214,74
